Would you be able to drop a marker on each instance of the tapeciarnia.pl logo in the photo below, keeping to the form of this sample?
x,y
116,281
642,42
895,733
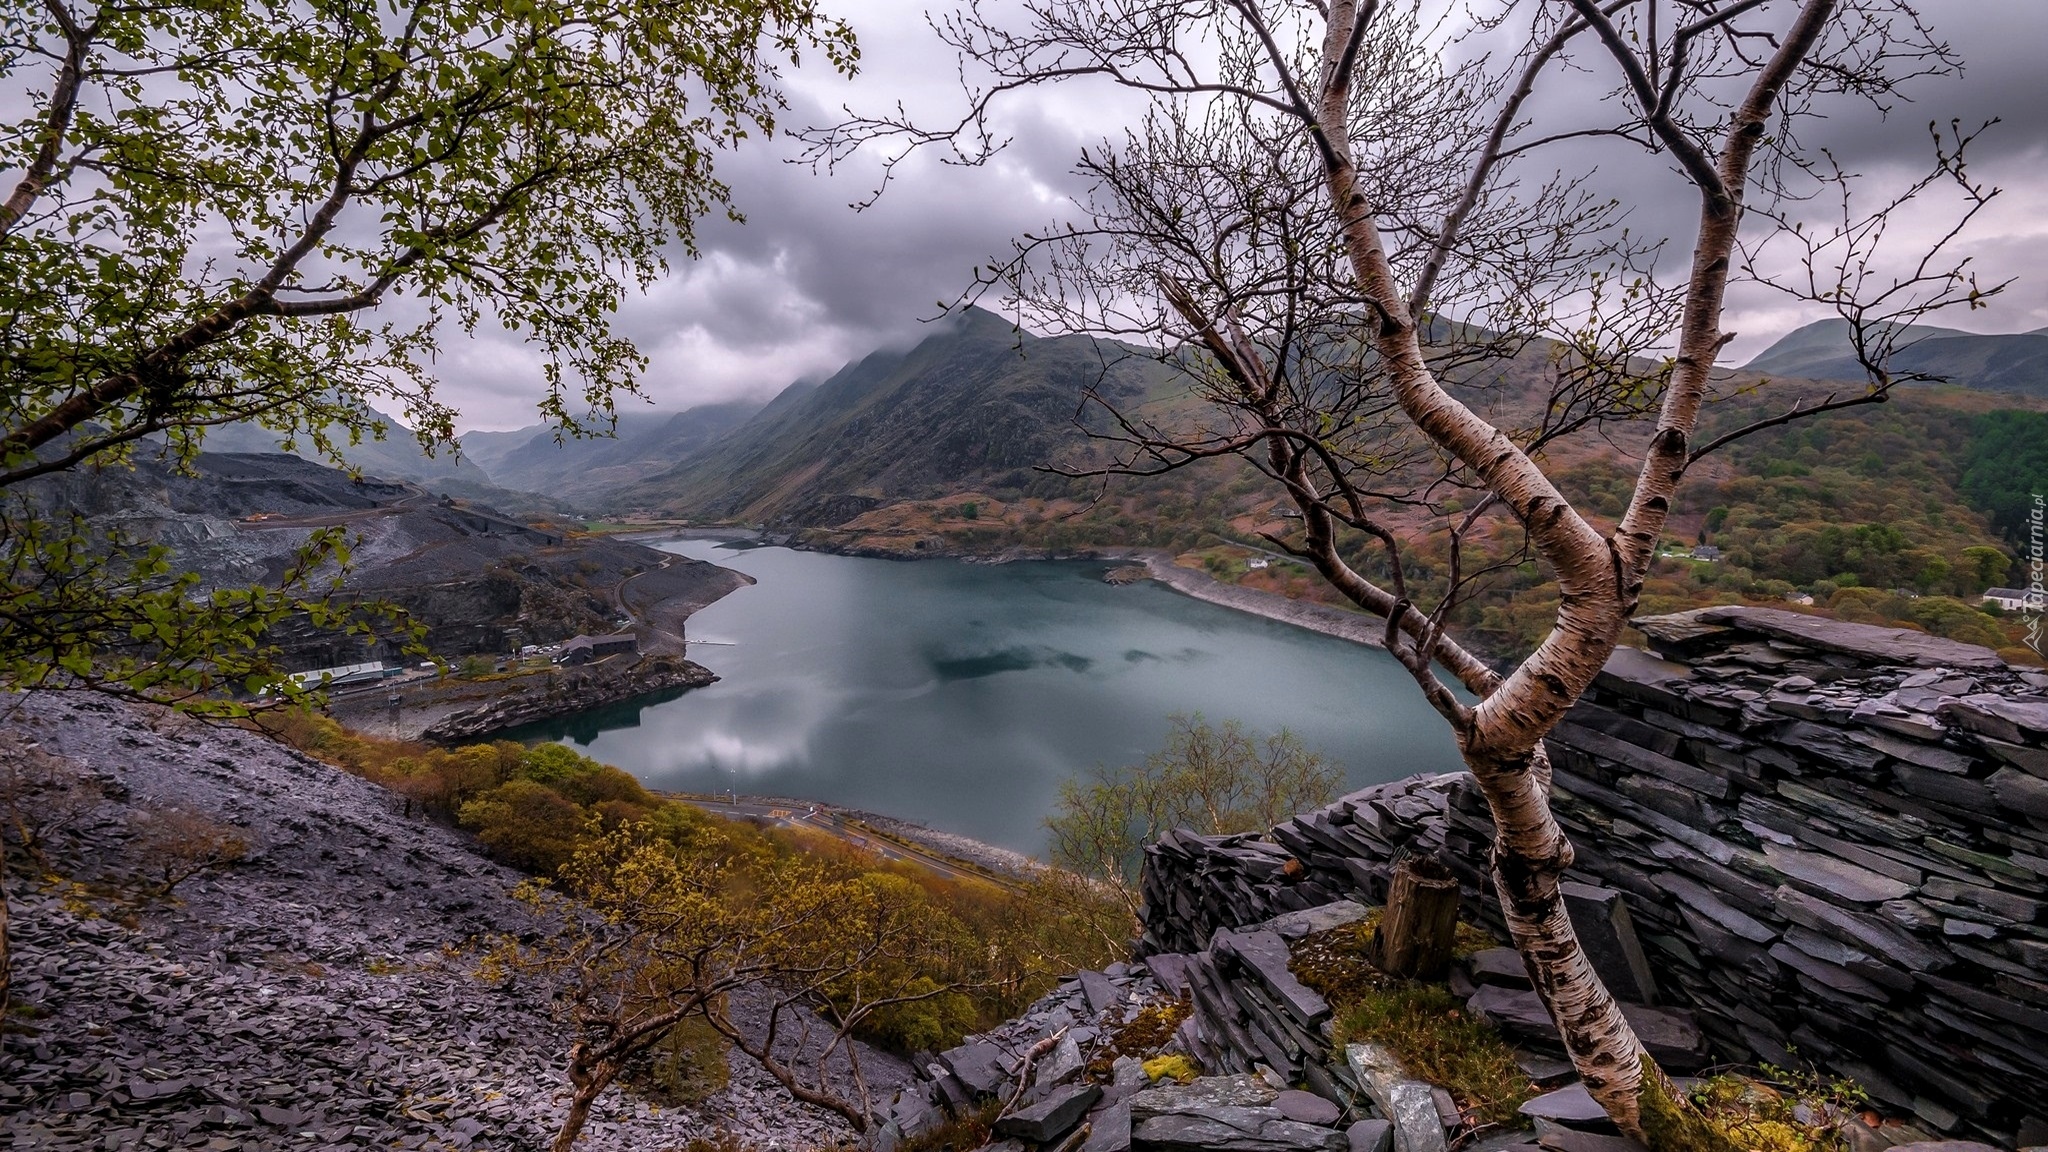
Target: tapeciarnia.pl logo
x,y
2037,572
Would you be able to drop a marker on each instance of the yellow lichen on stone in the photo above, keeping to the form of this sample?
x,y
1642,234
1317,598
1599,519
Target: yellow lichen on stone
x,y
1175,1067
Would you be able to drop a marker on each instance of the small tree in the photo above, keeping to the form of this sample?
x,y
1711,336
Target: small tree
x,y
659,933
1332,226
1218,780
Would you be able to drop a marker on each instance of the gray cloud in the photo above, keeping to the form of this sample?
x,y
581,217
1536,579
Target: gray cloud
x,y
807,283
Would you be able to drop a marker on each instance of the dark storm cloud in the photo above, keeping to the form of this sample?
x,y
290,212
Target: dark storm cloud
x,y
807,283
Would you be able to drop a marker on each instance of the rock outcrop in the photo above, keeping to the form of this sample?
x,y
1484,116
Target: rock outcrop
x,y
1832,842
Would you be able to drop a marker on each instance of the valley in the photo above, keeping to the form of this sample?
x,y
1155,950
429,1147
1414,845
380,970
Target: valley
x,y
964,445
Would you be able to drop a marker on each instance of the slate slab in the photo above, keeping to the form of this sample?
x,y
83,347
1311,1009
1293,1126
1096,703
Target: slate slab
x,y
1374,1135
1571,1105
1052,1117
1609,939
1234,1130
977,1065
1099,992
1407,1102
1109,1129
1307,1107
1203,1095
1502,966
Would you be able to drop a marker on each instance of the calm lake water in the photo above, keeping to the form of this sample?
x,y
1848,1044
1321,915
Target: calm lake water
x,y
959,695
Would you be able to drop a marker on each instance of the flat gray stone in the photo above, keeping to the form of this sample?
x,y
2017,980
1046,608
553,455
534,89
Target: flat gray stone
x,y
1201,1096
977,1065
1608,936
1099,992
1375,1135
1409,1103
1266,955
1062,1065
1883,645
1309,921
1572,1105
1234,1130
1307,1107
1502,966
1826,876
1051,1117
1109,1129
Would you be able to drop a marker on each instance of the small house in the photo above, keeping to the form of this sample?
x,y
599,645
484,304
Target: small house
x,y
1706,552
586,649
2013,599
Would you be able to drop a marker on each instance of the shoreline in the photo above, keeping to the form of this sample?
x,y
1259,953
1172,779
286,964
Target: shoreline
x,y
1312,616
1309,615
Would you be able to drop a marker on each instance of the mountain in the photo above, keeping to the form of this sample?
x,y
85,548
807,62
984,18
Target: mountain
x,y
590,469
2015,362
396,457
976,406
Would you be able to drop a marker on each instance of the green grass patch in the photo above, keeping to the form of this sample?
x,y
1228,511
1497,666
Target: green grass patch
x,y
1426,1027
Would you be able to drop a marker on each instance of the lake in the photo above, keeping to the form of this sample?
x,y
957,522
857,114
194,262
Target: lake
x,y
959,695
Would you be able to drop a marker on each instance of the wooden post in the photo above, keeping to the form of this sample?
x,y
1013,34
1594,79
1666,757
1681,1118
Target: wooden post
x,y
1420,923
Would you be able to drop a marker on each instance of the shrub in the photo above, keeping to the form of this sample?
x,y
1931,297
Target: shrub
x,y
526,824
172,845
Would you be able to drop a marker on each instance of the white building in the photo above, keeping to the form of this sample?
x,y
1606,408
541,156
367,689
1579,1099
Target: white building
x,y
2012,599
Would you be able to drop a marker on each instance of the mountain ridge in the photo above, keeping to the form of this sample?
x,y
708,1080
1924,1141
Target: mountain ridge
x,y
2012,362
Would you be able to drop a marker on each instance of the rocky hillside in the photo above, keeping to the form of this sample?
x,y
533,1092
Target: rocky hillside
x,y
587,471
321,992
478,579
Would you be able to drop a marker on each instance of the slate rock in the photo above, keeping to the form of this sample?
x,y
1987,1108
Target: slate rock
x,y
1671,1036
1099,992
1409,1103
1375,1135
1062,1065
1321,918
1307,1107
977,1065
1199,1096
1265,954
1572,1106
1234,1130
1052,1116
1109,1129
1502,966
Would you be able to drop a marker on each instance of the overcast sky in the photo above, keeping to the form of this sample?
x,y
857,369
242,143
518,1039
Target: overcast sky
x,y
807,283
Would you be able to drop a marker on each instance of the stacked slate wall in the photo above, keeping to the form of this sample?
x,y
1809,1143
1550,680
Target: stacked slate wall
x,y
1833,839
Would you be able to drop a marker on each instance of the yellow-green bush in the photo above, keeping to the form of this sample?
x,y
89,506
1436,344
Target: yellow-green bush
x,y
527,825
534,807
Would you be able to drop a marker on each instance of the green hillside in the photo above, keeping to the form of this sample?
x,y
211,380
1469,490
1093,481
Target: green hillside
x,y
974,406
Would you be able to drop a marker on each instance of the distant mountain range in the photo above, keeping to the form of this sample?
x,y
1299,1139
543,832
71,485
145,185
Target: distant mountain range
x,y
592,469
396,457
976,405
2014,362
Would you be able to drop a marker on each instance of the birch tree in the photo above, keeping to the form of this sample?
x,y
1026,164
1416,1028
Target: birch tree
x,y
1351,246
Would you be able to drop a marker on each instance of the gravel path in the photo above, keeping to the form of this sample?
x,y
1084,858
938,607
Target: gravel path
x,y
321,994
